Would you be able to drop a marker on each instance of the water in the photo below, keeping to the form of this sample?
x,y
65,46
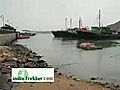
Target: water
x,y
65,55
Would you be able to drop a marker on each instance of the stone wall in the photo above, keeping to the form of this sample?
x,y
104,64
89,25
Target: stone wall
x,y
6,38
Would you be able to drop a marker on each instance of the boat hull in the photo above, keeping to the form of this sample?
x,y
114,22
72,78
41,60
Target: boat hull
x,y
64,34
84,35
23,37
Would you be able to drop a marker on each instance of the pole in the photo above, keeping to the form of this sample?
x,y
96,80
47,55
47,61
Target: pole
x,y
2,19
80,22
66,23
99,18
71,23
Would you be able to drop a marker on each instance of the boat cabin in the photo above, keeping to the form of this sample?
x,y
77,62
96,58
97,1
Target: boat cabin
x,y
101,30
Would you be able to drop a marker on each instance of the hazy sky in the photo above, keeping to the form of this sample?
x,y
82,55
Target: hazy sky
x,y
50,14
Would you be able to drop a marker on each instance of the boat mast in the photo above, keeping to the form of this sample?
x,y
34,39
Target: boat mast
x,y
2,19
66,23
80,22
70,23
99,19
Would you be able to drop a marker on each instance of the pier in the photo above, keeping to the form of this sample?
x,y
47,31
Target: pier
x,y
7,34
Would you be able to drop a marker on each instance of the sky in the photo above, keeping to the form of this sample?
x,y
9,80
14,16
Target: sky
x,y
50,14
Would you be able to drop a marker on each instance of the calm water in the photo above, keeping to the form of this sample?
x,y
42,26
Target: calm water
x,y
65,55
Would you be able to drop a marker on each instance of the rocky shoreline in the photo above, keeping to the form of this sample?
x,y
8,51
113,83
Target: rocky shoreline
x,y
15,55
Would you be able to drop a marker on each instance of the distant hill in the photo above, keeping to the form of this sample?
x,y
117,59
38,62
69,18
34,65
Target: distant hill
x,y
115,26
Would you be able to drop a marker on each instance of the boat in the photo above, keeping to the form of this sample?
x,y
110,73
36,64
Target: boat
x,y
28,33
23,37
99,32
19,36
69,33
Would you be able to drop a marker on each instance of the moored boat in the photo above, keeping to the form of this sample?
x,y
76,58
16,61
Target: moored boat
x,y
28,33
19,36
23,37
65,34
99,32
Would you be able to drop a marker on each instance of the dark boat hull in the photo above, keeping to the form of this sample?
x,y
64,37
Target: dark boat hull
x,y
84,35
64,34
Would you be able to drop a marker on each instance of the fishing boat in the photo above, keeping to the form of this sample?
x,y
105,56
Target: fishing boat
x,y
99,32
28,33
19,36
68,33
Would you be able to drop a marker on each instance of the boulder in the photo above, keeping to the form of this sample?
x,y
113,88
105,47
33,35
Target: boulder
x,y
89,46
5,70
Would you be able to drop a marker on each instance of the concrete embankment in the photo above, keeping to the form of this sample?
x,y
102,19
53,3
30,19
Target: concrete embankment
x,y
6,38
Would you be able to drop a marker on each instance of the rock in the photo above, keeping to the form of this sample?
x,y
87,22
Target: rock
x,y
55,70
16,56
15,59
10,64
5,70
76,79
32,55
89,46
111,85
60,74
41,61
4,85
30,64
1,55
30,60
21,60
1,65
38,56
71,85
9,59
42,64
93,78
20,65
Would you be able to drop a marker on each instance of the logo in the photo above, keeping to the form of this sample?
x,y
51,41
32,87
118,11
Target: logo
x,y
22,73
32,75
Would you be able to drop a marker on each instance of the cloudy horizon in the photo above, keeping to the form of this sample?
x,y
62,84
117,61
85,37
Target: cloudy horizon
x,y
50,14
